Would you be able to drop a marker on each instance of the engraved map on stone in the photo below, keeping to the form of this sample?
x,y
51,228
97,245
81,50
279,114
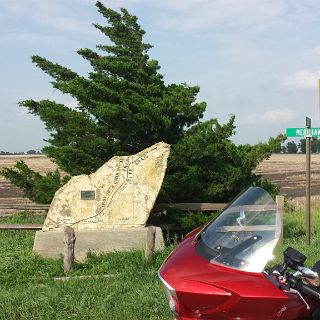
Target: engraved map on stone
x,y
119,194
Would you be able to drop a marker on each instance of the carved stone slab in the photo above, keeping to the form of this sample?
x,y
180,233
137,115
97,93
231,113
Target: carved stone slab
x,y
119,194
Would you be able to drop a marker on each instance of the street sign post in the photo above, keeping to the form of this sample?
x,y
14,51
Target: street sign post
x,y
306,133
303,132
308,182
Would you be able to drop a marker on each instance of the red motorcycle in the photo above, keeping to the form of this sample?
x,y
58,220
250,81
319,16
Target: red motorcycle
x,y
219,271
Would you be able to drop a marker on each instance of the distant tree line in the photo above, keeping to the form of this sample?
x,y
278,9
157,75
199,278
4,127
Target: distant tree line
x,y
20,153
300,147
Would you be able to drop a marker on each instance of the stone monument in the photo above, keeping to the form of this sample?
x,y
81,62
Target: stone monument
x,y
109,208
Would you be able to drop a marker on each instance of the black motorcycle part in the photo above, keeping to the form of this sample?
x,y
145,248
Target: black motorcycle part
x,y
316,268
277,267
293,258
316,314
310,291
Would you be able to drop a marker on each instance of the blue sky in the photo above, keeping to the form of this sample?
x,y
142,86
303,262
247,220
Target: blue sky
x,y
257,59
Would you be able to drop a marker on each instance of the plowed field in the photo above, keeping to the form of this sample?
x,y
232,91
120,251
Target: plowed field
x,y
285,170
10,194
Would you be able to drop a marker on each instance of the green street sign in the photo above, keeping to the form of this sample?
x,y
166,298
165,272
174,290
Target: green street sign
x,y
303,132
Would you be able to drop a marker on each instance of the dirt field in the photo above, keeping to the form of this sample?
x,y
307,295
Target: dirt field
x,y
9,194
288,171
285,170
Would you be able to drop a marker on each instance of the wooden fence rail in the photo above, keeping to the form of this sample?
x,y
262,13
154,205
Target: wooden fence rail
x,y
23,207
69,238
157,206
191,206
15,226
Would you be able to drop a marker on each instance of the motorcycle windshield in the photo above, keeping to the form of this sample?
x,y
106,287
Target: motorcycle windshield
x,y
245,233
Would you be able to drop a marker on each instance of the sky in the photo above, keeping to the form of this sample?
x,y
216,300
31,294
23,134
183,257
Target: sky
x,y
256,59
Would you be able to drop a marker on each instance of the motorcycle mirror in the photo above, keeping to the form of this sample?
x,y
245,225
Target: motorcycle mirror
x,y
293,258
276,273
309,275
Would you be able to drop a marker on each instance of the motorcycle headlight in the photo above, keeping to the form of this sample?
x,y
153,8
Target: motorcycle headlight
x,y
170,294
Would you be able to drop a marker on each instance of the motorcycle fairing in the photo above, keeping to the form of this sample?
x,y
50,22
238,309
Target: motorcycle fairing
x,y
225,281
210,291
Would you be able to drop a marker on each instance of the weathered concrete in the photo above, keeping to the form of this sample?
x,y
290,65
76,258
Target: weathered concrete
x,y
119,194
50,244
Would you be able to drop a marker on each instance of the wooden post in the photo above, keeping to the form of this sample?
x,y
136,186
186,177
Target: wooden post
x,y
69,241
280,208
151,238
308,187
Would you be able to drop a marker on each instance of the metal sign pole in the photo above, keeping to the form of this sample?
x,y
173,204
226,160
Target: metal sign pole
x,y
308,186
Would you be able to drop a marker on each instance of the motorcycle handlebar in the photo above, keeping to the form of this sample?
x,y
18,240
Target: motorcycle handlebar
x,y
310,291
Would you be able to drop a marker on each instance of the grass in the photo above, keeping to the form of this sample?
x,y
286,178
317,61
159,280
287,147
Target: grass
x,y
28,289
295,235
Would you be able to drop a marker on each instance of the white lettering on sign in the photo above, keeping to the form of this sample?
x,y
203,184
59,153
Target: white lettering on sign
x,y
303,132
314,132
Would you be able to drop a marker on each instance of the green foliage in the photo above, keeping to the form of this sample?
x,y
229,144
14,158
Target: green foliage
x,y
24,217
28,290
315,145
292,147
181,222
267,185
36,187
275,143
124,106
206,166
192,220
295,236
302,145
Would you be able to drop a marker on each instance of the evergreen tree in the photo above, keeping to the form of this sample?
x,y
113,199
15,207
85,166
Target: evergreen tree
x,y
214,169
124,106
292,147
302,145
314,145
275,143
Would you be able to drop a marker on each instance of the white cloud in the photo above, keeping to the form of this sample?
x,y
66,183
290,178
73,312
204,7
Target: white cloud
x,y
303,79
277,115
187,15
22,112
121,3
272,116
203,14
31,38
316,50
55,14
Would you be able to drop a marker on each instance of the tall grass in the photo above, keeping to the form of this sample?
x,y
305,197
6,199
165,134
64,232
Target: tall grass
x,y
295,235
28,289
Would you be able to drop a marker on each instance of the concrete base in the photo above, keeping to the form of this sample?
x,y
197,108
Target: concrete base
x,y
50,243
